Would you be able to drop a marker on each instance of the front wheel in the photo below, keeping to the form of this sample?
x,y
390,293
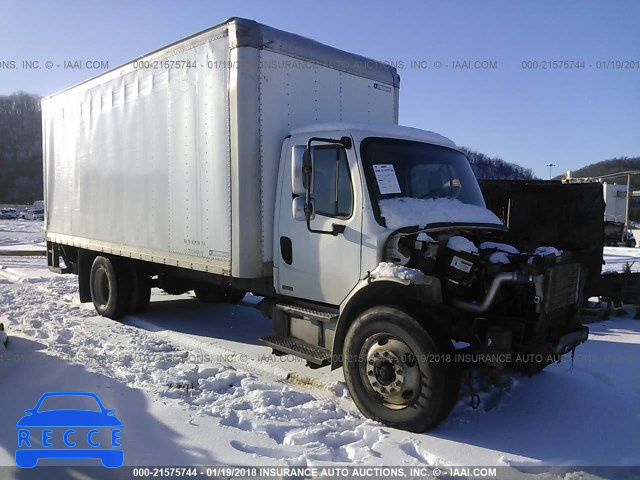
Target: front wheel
x,y
397,372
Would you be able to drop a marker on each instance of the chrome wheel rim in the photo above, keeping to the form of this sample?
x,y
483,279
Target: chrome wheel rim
x,y
391,370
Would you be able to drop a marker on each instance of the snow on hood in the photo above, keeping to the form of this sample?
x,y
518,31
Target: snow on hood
x,y
499,257
406,212
501,247
386,269
461,244
545,251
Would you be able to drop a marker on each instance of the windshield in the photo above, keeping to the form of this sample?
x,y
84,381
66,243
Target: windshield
x,y
405,174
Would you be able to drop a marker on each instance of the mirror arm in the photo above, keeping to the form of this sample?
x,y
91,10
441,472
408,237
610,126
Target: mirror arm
x,y
344,141
336,228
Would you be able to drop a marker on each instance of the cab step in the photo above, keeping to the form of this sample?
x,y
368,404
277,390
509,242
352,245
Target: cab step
x,y
313,354
308,313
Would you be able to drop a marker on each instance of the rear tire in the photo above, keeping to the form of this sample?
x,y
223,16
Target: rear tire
x,y
110,286
397,372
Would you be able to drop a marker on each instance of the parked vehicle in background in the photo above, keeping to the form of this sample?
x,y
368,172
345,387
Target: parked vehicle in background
x,y
628,239
9,214
617,234
613,233
284,173
35,214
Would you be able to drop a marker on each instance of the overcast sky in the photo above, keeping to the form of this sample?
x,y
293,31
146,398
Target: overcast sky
x,y
569,117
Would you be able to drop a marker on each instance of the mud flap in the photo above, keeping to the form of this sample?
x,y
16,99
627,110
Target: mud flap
x,y
570,341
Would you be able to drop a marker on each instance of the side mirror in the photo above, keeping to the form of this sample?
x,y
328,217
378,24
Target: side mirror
x,y
299,209
300,165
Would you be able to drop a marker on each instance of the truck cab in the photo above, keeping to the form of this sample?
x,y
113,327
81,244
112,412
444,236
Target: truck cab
x,y
385,254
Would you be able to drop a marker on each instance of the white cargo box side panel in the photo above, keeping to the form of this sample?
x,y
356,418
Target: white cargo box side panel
x,y
140,161
295,93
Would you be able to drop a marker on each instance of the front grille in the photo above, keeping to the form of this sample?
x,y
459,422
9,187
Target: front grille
x,y
562,286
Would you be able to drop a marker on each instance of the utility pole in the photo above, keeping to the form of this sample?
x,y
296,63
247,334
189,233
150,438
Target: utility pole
x,y
626,218
550,165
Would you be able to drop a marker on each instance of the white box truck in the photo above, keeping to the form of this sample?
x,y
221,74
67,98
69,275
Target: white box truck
x,y
245,158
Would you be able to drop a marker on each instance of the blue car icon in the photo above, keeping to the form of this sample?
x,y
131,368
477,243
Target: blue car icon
x,y
54,430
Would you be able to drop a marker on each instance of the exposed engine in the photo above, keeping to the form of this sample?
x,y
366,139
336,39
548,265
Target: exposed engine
x,y
470,271
516,300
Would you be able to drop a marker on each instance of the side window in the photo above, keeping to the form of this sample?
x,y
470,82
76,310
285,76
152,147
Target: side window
x,y
332,191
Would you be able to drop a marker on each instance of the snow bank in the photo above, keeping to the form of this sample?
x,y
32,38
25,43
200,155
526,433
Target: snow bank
x,y
406,212
461,244
386,269
619,259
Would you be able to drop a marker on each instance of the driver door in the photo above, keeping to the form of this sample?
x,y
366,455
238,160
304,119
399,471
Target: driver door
x,y
321,267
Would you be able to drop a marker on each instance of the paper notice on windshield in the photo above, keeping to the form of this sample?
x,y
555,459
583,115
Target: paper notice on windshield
x,y
386,178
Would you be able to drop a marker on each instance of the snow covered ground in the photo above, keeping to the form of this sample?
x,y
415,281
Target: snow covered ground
x,y
192,387
21,232
618,259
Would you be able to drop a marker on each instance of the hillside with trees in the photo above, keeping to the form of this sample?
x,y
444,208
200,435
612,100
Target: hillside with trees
x,y
614,165
487,168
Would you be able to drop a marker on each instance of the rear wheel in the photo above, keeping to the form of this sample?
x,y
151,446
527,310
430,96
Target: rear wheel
x,y
397,372
110,287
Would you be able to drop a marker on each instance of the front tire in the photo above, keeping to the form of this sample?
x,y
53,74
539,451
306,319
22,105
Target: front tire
x,y
110,287
397,372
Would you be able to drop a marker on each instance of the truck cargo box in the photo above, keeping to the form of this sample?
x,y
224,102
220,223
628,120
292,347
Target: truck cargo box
x,y
173,158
